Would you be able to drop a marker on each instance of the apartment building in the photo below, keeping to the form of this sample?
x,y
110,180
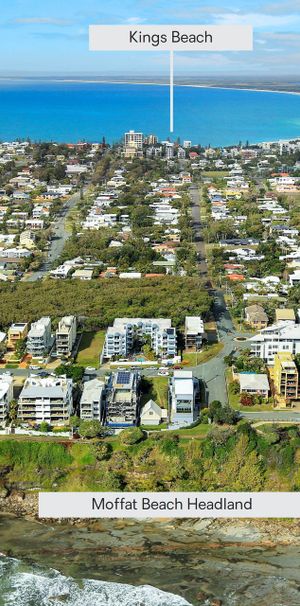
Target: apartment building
x,y
47,399
285,378
122,399
283,336
6,395
39,338
182,396
194,332
17,332
121,338
92,400
66,335
134,140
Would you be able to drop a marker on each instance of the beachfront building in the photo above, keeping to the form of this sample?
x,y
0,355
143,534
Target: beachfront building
x,y
92,400
121,338
194,332
122,399
282,336
39,338
47,399
66,335
183,389
6,395
152,414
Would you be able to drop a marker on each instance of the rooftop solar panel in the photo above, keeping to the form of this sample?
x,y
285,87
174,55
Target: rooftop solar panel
x,y
123,378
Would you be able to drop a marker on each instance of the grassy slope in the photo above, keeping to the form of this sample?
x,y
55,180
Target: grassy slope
x,y
91,345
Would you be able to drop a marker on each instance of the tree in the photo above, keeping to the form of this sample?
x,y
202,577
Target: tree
x,y
13,411
74,421
91,429
20,348
72,372
222,414
2,350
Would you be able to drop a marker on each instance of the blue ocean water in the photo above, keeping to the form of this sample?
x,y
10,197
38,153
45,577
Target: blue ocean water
x,y
69,112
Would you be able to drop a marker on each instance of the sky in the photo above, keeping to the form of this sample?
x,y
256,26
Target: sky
x,y
51,37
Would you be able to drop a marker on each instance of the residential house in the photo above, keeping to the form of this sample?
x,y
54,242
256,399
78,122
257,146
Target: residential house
x,y
253,383
256,317
152,414
285,315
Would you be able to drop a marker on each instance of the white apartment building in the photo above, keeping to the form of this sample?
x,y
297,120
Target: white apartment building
x,y
66,335
133,139
280,337
6,395
182,390
92,400
120,337
169,150
39,337
47,399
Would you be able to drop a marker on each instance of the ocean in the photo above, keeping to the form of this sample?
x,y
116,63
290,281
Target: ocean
x,y
70,112
30,585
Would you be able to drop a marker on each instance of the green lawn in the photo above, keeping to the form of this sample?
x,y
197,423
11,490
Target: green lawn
x,y
157,391
193,359
90,348
200,431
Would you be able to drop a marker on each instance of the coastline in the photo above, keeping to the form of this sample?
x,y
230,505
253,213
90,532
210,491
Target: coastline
x,y
150,83
208,562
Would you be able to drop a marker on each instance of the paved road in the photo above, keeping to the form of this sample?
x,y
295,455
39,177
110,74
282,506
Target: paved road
x,y
195,193
212,372
60,236
273,416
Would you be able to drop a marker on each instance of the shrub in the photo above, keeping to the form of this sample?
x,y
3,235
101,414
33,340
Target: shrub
x,y
131,436
91,429
247,399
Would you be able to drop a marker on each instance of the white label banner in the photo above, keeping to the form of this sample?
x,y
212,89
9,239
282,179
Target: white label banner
x,y
169,505
171,37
